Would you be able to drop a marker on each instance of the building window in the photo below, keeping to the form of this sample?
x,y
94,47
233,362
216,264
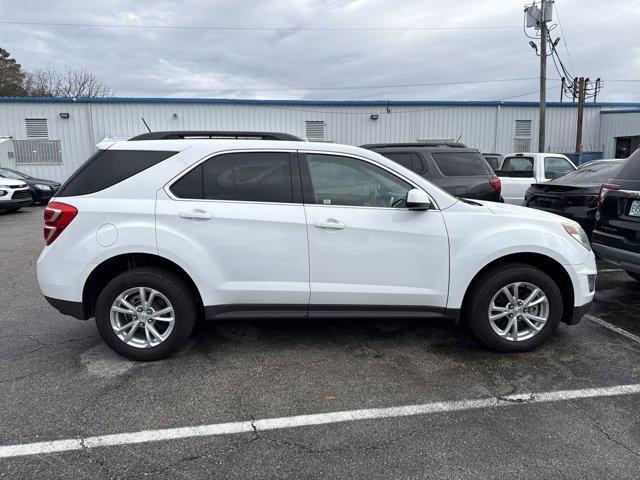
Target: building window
x,y
522,138
43,152
36,127
315,130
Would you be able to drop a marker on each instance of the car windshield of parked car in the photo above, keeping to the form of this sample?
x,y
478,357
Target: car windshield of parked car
x,y
591,173
4,173
556,167
517,164
461,164
494,162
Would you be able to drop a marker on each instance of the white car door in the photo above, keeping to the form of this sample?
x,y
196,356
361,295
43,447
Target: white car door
x,y
237,222
366,249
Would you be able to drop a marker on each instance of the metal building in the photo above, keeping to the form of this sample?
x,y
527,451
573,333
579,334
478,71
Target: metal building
x,y
51,137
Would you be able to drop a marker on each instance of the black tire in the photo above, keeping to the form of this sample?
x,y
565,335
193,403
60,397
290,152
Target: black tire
x,y
489,284
172,287
635,276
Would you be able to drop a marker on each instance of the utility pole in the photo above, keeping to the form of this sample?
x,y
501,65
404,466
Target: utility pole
x,y
581,95
562,88
537,17
543,76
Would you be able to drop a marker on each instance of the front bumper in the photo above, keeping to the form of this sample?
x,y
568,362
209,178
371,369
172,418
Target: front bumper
x,y
11,203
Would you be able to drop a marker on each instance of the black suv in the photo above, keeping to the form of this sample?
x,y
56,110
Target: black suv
x,y
616,238
461,171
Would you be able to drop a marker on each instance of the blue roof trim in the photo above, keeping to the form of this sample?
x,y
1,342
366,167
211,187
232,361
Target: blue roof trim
x,y
343,103
621,110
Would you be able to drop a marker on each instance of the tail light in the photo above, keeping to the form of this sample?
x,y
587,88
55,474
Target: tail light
x,y
496,184
604,188
57,217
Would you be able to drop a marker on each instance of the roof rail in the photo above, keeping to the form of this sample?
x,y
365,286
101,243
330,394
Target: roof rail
x,y
183,134
416,145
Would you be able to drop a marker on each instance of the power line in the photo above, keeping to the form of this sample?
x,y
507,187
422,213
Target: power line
x,y
564,41
252,28
341,87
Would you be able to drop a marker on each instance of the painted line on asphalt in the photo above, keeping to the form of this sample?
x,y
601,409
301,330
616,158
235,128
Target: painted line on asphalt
x,y
613,328
216,429
607,270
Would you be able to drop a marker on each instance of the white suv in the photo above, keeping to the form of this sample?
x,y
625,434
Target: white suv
x,y
14,194
154,232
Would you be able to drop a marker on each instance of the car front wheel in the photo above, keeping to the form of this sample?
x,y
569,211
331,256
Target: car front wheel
x,y
145,313
514,308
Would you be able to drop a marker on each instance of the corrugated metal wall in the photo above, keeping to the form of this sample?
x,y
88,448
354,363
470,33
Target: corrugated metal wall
x,y
618,125
490,128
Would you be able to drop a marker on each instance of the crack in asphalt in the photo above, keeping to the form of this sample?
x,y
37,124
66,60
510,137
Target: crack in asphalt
x,y
598,426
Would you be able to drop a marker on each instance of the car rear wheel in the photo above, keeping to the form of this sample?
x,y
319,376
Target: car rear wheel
x,y
145,313
514,308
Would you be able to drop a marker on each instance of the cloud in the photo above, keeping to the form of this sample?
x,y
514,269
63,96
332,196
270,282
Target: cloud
x,y
294,64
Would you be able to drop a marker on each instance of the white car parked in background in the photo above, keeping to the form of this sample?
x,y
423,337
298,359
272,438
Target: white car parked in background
x,y
14,194
156,231
521,170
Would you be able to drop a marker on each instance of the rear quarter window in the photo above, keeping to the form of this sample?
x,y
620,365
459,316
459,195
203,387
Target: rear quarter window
x,y
461,164
630,169
109,167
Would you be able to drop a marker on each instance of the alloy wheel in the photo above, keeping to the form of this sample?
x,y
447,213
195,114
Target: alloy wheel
x,y
518,311
142,317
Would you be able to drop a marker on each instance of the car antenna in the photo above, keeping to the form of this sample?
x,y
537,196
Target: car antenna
x,y
145,124
458,141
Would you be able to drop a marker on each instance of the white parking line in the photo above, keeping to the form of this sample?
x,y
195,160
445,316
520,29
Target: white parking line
x,y
308,420
613,328
607,270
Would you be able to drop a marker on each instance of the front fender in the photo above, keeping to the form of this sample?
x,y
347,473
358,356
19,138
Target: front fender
x,y
498,236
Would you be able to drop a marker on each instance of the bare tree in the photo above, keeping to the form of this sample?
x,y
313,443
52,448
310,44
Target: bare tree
x,y
50,82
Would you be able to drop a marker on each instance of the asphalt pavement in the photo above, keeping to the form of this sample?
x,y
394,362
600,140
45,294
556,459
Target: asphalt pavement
x,y
59,382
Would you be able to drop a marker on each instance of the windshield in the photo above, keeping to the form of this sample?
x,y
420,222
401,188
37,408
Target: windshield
x,y
590,173
461,164
518,164
4,173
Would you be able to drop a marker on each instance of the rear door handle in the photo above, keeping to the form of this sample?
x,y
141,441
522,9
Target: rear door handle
x,y
330,223
196,214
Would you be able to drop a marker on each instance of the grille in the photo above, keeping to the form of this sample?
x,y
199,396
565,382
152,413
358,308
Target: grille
x,y
19,194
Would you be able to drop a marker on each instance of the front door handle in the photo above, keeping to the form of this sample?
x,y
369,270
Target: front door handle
x,y
330,223
196,214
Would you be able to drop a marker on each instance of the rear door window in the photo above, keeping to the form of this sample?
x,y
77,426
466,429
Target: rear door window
x,y
461,164
556,167
109,167
242,176
407,160
517,164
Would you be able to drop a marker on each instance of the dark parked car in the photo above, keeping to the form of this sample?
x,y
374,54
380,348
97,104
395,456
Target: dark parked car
x,y
574,195
494,160
461,171
616,238
41,189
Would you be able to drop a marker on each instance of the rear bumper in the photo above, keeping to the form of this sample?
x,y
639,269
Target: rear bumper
x,y
629,261
67,307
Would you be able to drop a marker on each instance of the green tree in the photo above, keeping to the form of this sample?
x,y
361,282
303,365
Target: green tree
x,y
11,76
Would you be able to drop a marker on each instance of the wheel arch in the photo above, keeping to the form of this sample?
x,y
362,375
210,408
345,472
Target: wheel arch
x,y
543,262
113,266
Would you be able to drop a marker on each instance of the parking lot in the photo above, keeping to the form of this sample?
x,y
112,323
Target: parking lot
x,y
464,412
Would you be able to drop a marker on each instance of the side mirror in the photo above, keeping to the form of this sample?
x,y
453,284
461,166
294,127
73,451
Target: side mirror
x,y
418,200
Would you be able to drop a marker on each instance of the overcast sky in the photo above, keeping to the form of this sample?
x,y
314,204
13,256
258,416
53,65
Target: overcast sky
x,y
602,39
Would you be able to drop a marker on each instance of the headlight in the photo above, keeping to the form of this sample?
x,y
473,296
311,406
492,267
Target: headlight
x,y
40,186
578,233
3,193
